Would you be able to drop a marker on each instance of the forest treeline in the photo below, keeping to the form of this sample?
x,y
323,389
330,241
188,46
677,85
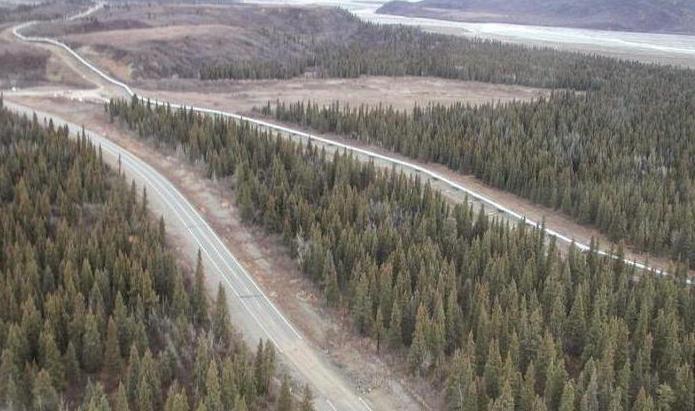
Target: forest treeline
x,y
491,312
386,50
96,314
620,158
616,155
46,10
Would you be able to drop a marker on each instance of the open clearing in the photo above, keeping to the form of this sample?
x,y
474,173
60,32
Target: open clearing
x,y
554,219
25,65
400,92
171,41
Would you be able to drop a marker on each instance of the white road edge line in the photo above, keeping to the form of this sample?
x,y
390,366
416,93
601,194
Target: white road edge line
x,y
141,168
330,404
431,174
365,403
155,185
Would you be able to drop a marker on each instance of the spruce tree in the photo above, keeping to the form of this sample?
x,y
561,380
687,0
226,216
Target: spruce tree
x,y
213,394
220,318
120,403
199,303
284,402
51,360
92,348
307,400
567,401
112,351
394,331
418,355
45,396
330,276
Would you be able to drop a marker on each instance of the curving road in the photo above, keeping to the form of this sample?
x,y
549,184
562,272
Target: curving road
x,y
260,317
513,215
331,389
294,132
250,304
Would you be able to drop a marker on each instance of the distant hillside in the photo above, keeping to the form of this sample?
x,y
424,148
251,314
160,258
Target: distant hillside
x,y
663,16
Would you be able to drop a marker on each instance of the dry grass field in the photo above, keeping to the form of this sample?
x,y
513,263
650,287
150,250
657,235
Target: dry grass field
x,y
399,92
160,49
23,65
20,65
169,41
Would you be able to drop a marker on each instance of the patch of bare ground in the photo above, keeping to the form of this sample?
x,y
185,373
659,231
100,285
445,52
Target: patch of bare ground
x,y
25,65
380,377
400,92
171,41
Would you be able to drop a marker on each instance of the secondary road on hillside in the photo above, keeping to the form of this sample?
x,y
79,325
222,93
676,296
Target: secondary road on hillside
x,y
287,130
257,310
331,389
253,307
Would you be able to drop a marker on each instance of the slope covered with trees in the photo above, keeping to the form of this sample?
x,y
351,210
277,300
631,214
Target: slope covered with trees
x,y
494,314
96,314
385,50
619,157
616,155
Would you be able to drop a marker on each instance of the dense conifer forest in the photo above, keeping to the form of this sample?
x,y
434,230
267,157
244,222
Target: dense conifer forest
x,y
96,313
398,51
611,147
493,314
619,157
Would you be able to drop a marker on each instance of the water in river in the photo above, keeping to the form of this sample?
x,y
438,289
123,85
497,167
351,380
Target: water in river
x,y
665,48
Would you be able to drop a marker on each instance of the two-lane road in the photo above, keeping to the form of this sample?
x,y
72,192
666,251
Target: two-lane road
x,y
251,305
260,314
108,80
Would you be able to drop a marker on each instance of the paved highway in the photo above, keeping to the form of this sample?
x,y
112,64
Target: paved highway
x,y
331,391
262,318
290,131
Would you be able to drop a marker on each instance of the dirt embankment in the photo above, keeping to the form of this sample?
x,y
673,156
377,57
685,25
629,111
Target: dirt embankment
x,y
381,378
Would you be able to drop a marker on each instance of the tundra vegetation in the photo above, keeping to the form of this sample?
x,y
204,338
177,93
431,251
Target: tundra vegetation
x,y
97,315
492,314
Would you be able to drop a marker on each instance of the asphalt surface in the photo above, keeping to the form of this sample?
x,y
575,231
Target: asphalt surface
x,y
331,390
250,305
487,202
